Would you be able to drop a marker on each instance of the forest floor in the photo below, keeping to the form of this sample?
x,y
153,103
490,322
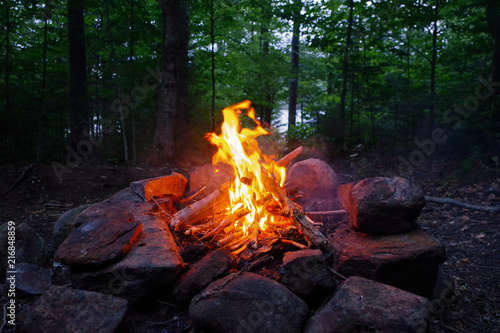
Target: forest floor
x,y
471,238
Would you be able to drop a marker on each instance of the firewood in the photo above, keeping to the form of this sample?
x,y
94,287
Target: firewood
x,y
287,205
217,200
199,228
226,222
289,157
254,237
228,239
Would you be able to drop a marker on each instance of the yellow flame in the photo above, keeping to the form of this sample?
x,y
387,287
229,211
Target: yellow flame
x,y
239,148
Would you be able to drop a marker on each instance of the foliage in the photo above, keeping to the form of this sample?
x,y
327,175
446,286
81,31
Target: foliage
x,y
396,92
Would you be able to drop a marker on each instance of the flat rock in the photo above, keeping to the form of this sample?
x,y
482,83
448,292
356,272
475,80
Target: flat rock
x,y
248,302
173,185
150,267
362,305
209,176
105,233
383,205
62,309
30,247
317,183
201,274
407,261
306,274
65,225
32,279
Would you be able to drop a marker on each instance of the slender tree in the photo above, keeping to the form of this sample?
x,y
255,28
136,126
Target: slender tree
x,y
493,19
294,80
172,123
78,72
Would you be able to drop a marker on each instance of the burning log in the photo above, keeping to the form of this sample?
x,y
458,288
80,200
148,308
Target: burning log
x,y
216,201
226,222
226,240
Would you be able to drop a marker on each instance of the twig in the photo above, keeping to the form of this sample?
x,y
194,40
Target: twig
x,y
437,200
327,212
291,242
337,274
226,222
187,200
226,240
19,179
163,210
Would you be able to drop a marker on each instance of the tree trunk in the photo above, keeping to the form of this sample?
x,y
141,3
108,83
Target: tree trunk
x,y
43,106
7,56
212,55
493,18
173,117
345,78
78,73
132,71
294,80
432,105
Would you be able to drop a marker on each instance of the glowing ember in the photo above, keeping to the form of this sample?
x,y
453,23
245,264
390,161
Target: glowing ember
x,y
239,148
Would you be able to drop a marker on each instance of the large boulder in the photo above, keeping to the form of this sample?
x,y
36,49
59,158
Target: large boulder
x,y
248,302
362,305
382,205
407,261
317,183
62,309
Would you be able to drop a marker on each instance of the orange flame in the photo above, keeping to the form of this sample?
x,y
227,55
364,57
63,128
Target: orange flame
x,y
239,148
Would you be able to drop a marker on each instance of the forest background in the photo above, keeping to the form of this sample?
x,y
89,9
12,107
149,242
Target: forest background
x,y
136,82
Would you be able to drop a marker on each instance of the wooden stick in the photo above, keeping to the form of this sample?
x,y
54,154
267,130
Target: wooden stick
x,y
289,157
438,200
287,205
226,222
288,241
201,227
310,231
226,240
194,195
254,237
198,210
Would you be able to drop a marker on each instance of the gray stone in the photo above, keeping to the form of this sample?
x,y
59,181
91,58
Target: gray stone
x,y
248,302
317,183
362,305
383,205
201,274
64,225
62,309
29,247
32,279
407,261
151,266
306,273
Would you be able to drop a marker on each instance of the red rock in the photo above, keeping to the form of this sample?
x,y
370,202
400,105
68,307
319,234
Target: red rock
x,y
150,267
362,305
105,233
173,185
210,176
382,205
317,183
407,261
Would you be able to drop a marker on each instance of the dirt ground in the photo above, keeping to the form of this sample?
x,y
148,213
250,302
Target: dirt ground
x,y
471,238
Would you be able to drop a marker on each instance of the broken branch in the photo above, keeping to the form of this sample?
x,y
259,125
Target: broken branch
x,y
289,157
437,200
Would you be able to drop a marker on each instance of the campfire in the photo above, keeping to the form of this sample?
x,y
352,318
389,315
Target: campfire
x,y
253,209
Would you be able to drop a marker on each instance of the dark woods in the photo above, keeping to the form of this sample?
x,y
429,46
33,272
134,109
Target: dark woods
x,y
143,81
